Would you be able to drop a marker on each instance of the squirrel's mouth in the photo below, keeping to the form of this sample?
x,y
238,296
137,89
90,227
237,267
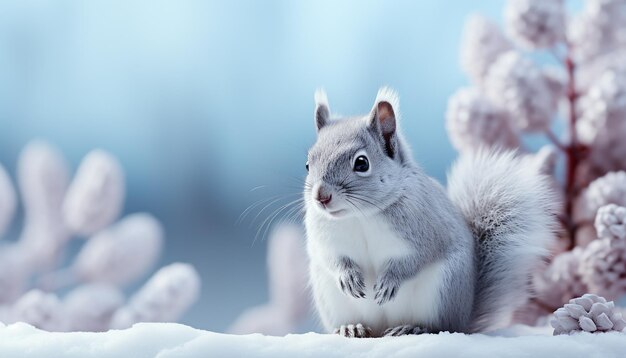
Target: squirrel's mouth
x,y
336,213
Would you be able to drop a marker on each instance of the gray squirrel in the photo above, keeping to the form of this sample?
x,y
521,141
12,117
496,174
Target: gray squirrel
x,y
392,253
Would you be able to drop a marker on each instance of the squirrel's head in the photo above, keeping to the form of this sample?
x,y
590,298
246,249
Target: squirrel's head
x,y
354,167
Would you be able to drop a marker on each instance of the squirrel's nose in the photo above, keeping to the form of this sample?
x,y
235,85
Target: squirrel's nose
x,y
323,198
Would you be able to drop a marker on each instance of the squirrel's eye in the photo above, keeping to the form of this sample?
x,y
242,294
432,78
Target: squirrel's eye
x,y
361,164
307,166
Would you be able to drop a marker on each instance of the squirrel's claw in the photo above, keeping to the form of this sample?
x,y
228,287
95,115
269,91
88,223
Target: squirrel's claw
x,y
352,283
404,330
353,331
385,291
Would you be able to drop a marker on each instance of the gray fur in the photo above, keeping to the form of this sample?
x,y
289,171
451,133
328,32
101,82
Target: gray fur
x,y
421,213
511,209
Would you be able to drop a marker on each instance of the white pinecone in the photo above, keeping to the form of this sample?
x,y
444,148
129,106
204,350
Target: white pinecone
x,y
515,83
474,122
598,29
589,313
535,24
603,267
609,189
601,124
482,42
611,222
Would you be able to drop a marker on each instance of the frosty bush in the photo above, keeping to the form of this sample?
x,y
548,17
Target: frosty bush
x,y
114,255
512,95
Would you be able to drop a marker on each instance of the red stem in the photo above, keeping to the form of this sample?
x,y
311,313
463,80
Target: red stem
x,y
571,150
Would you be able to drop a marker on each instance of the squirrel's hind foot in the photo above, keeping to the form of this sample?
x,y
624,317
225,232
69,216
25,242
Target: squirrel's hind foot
x,y
405,330
353,331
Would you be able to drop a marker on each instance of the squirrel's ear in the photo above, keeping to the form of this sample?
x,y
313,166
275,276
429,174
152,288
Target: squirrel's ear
x,y
322,111
382,119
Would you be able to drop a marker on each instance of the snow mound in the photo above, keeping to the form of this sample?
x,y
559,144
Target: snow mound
x,y
176,340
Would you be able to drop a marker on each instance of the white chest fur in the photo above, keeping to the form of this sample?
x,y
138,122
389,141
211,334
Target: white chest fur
x,y
371,243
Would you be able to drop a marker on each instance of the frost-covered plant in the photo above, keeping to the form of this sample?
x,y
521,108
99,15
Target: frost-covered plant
x,y
562,279
482,43
611,222
515,84
164,298
90,307
512,94
41,309
536,23
289,304
96,195
117,255
603,267
114,254
473,121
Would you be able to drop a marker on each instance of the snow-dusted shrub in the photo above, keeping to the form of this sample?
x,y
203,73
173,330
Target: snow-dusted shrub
x,y
588,94
164,298
114,255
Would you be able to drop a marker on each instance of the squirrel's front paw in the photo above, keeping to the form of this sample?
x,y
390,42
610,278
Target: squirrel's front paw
x,y
385,290
352,283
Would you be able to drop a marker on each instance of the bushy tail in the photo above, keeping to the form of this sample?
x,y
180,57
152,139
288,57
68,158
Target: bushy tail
x,y
511,208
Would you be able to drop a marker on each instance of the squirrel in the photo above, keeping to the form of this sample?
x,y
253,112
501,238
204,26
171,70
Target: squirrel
x,y
392,252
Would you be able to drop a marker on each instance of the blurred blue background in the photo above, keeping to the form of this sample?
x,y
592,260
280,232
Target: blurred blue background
x,y
203,101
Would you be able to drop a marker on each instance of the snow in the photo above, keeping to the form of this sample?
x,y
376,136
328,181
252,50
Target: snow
x,y
176,340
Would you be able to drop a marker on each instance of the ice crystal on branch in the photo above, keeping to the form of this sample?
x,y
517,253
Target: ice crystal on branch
x,y
601,124
599,29
609,189
561,280
516,83
611,222
482,43
535,23
473,122
588,73
603,267
589,313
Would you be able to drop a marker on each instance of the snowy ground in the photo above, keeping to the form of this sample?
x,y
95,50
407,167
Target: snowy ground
x,y
175,340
